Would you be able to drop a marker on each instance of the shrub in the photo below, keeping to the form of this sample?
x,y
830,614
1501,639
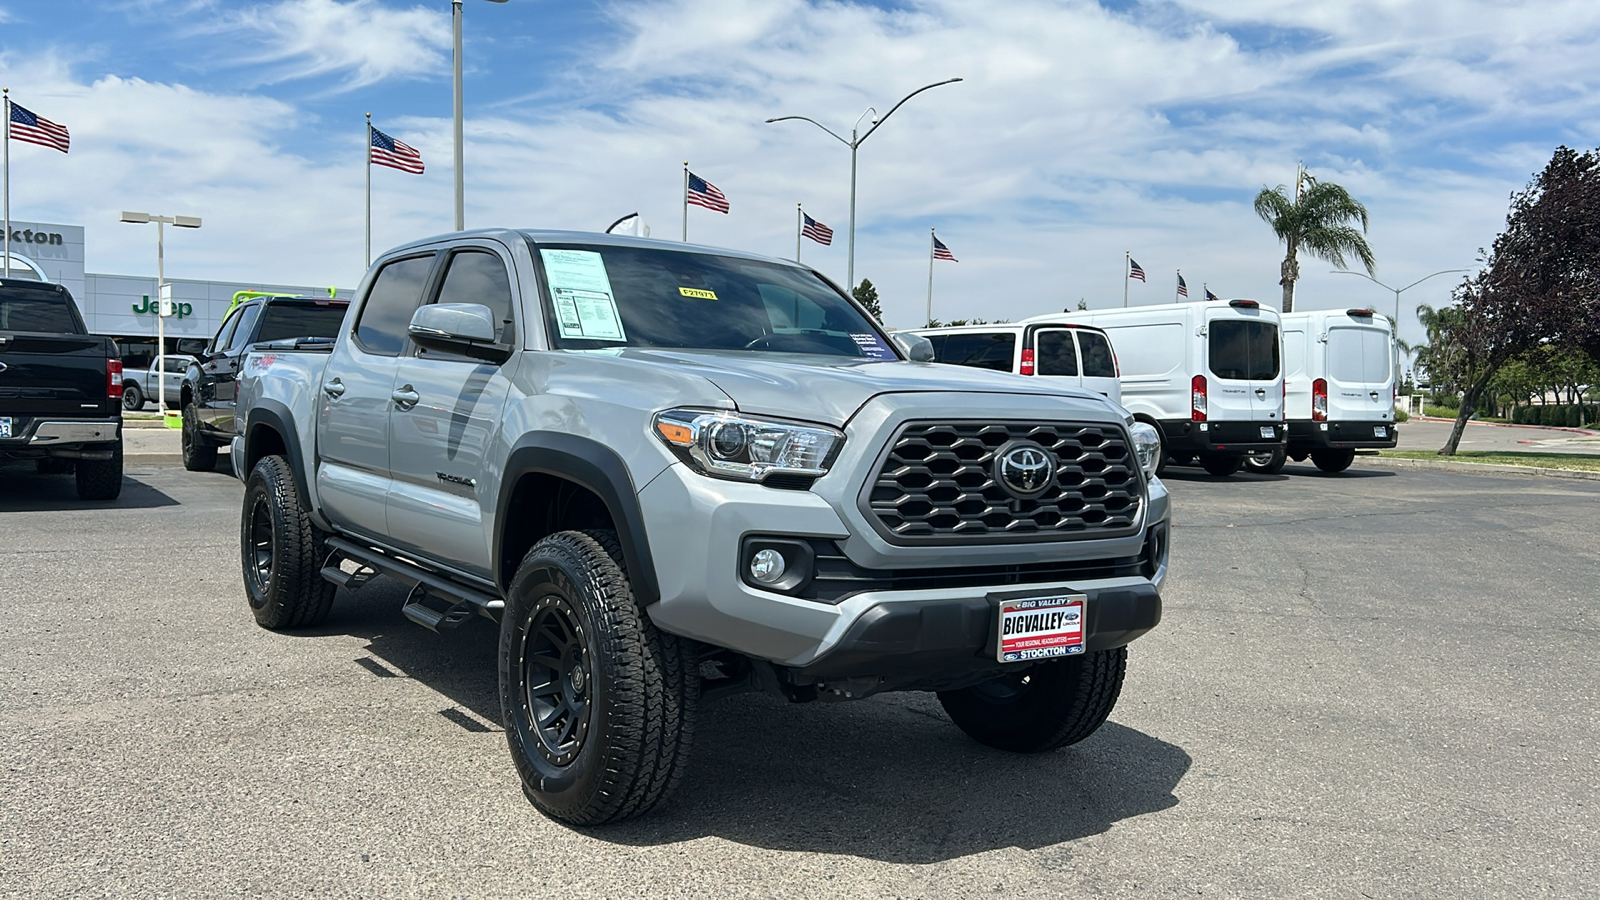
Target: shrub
x,y
1401,415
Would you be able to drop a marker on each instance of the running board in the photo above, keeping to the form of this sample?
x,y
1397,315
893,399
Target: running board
x,y
462,601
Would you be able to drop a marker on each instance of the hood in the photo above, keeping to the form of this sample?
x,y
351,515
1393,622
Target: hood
x,y
830,389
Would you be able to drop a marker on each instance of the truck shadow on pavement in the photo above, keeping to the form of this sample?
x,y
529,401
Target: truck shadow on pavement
x,y
888,778
22,490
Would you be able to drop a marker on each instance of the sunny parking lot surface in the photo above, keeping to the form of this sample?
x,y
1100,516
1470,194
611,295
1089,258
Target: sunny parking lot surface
x,y
1374,684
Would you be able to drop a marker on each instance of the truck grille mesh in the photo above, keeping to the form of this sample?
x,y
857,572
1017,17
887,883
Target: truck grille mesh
x,y
937,484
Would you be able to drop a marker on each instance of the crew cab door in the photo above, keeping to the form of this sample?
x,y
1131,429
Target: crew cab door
x,y
217,386
356,394
444,420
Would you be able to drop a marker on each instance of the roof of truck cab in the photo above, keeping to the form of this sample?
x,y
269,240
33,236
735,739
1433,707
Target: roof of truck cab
x,y
537,236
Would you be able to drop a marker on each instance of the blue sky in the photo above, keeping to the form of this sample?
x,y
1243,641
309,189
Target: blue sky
x,y
1082,130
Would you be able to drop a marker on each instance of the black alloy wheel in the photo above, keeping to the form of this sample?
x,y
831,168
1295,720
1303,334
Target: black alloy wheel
x,y
132,397
281,553
198,455
557,678
260,545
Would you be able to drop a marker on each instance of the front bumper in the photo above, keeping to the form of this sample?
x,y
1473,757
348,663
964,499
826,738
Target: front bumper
x,y
698,526
1222,437
1306,436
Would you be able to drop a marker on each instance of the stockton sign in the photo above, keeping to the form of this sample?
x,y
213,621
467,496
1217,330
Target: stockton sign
x,y
29,236
179,310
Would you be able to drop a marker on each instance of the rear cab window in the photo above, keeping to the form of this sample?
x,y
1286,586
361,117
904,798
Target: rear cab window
x,y
286,319
50,312
979,349
1358,355
1243,349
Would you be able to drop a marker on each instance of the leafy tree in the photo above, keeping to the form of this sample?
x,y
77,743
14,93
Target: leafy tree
x,y
1083,304
1316,220
1540,284
867,296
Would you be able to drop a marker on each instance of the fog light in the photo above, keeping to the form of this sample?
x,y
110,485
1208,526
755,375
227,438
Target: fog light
x,y
767,566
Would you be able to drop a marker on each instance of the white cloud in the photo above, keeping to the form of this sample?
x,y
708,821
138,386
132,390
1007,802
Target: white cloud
x,y
361,39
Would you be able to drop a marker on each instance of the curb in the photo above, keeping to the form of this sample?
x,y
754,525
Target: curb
x,y
1581,431
1466,468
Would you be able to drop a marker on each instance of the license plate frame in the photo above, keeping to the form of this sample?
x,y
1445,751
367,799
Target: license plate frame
x,y
1061,629
1380,431
5,426
1268,433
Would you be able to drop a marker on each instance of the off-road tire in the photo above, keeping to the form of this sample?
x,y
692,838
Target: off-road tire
x,y
1265,463
631,719
1050,705
132,397
1331,461
100,479
1221,466
198,455
281,552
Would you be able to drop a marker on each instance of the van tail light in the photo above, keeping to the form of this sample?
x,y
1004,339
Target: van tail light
x,y
1027,362
113,379
1116,364
1197,399
1319,400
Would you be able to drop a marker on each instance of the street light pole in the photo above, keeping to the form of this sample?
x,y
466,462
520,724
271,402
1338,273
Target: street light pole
x,y
139,218
854,143
1395,335
455,55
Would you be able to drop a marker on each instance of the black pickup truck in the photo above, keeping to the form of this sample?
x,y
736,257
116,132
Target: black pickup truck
x,y
211,382
60,389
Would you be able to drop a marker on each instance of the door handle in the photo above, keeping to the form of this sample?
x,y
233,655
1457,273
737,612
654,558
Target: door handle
x,y
406,397
334,388
1373,395
1261,392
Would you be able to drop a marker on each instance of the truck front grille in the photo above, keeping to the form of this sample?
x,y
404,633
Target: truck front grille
x,y
938,484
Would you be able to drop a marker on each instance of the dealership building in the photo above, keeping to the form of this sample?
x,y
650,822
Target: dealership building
x,y
124,306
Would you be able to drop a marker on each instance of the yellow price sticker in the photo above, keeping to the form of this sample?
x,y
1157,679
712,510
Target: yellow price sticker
x,y
696,292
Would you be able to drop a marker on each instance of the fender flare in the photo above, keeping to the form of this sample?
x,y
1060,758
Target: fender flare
x,y
597,468
275,415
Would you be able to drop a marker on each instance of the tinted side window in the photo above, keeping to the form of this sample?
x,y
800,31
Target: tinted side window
x,y
1054,353
1098,362
477,276
247,324
983,351
1243,350
396,293
225,333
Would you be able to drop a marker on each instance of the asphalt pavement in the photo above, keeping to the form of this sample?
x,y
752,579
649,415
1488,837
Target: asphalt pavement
x,y
1376,684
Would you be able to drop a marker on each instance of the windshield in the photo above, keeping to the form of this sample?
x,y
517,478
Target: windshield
x,y
309,318
1243,350
47,311
606,297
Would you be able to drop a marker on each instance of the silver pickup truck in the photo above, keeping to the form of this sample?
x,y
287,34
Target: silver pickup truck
x,y
672,473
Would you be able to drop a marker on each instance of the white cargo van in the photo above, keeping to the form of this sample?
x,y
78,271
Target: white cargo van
x,y
1207,375
1339,388
1079,355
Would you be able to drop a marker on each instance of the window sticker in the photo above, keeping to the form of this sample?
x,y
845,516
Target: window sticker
x,y
585,306
696,292
872,346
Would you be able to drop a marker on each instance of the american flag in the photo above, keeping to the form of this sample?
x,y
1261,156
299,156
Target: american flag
x,y
1134,271
704,193
1210,296
36,129
386,151
817,231
1183,288
940,251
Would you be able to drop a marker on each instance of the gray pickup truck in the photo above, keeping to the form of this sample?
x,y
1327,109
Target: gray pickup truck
x,y
672,473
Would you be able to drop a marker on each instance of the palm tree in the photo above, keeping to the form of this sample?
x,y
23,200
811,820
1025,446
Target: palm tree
x,y
1317,221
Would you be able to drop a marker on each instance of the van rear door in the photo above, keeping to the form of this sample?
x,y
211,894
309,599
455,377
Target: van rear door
x,y
1360,371
1055,355
1099,364
1243,365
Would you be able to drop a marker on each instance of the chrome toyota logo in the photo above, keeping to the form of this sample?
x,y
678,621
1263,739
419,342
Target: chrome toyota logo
x,y
1025,469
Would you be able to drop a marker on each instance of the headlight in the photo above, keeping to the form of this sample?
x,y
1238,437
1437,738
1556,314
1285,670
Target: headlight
x,y
747,448
1147,444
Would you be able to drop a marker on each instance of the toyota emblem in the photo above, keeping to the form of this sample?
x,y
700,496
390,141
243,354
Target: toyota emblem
x,y
1025,469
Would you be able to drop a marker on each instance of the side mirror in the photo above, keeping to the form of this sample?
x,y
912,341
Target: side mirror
x,y
192,346
462,328
916,347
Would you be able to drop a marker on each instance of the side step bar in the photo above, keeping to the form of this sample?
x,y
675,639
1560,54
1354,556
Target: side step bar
x,y
461,601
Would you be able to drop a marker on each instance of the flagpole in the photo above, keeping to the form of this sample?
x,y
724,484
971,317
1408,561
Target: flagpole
x,y
685,199
1177,297
799,225
1127,255
7,179
368,158
931,239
